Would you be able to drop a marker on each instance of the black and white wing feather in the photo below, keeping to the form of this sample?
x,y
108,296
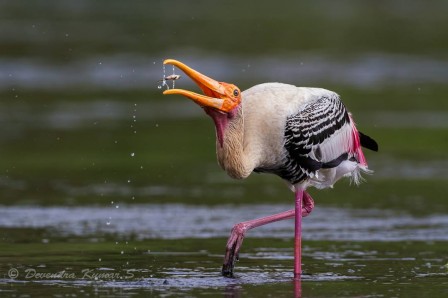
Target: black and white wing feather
x,y
318,136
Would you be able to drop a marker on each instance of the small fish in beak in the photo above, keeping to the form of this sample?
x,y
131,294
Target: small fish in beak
x,y
172,77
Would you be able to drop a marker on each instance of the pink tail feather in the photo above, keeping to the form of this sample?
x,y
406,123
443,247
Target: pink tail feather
x,y
356,146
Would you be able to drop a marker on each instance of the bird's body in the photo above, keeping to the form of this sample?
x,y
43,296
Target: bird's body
x,y
304,135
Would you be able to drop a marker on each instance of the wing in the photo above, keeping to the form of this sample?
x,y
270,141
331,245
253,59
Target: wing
x,y
318,136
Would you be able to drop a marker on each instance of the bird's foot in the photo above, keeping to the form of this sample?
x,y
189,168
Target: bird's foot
x,y
232,249
308,204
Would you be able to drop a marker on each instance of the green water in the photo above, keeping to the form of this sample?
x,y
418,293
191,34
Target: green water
x,y
90,148
376,269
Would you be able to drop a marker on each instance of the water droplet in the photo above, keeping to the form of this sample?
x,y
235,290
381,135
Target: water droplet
x,y
116,242
117,206
132,154
99,259
112,202
108,223
122,252
159,87
157,125
133,198
129,180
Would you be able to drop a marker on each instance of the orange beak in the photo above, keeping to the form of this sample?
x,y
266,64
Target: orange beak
x,y
221,96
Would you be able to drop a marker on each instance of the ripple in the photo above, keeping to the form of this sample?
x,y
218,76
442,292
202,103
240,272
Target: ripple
x,y
188,279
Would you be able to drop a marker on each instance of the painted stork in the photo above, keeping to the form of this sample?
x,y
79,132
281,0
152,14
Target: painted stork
x,y
304,135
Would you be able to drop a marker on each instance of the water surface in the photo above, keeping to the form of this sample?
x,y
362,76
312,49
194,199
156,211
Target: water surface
x,y
108,188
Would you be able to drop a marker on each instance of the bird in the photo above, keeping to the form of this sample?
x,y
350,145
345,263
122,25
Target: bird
x,y
304,135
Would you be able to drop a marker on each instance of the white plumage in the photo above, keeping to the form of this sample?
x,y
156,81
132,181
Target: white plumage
x,y
255,138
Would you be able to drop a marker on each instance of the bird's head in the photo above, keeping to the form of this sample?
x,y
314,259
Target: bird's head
x,y
218,96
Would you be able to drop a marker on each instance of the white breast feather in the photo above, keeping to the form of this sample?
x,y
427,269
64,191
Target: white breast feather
x,y
265,110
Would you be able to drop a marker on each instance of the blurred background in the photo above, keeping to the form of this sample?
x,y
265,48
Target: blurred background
x,y
85,125
79,93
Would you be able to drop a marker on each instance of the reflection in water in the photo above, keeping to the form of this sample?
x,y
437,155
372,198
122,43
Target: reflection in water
x,y
297,287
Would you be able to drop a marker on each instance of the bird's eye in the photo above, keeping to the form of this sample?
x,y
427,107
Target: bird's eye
x,y
236,92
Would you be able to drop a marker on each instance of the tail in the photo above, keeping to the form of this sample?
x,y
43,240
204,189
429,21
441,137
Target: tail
x,y
368,142
360,139
356,146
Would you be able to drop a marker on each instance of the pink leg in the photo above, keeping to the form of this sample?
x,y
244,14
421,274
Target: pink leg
x,y
298,235
237,235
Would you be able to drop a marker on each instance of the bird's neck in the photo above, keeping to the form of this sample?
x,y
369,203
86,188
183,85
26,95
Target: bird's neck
x,y
230,142
221,121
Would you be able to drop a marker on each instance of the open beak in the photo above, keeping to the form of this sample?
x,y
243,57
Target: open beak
x,y
218,95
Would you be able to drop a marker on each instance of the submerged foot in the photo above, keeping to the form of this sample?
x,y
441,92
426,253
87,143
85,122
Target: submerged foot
x,y
232,249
